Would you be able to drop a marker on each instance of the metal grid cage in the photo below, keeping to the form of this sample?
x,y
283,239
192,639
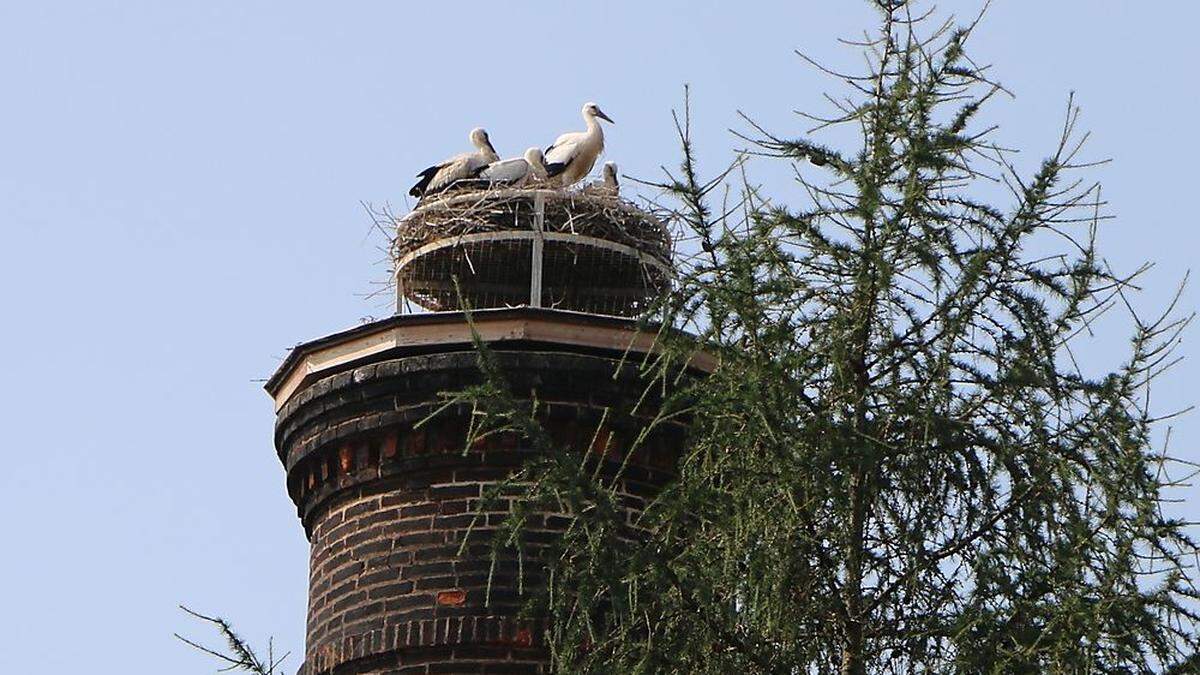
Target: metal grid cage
x,y
541,248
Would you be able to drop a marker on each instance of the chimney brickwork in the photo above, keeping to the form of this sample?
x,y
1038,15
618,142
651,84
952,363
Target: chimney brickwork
x,y
402,574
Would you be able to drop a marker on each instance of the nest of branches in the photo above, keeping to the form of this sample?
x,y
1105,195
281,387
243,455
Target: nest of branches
x,y
589,212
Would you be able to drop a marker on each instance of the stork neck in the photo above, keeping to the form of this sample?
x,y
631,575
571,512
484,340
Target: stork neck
x,y
593,125
536,167
486,150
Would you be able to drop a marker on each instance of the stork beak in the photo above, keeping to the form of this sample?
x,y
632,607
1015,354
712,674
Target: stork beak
x,y
601,115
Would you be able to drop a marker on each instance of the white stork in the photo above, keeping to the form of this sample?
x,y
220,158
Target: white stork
x,y
573,154
467,165
610,177
607,187
517,171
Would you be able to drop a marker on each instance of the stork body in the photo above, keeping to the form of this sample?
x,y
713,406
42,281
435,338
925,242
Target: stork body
x,y
460,167
572,155
517,171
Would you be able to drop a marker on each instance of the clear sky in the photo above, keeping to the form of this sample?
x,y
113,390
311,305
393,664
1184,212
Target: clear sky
x,y
179,203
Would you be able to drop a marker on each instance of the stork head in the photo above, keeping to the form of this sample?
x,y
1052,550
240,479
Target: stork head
x,y
610,174
592,110
479,138
537,163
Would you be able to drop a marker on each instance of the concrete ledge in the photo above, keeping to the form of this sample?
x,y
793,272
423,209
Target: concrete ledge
x,y
449,331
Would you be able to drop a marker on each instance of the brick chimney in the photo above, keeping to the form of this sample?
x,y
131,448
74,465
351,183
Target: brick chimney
x,y
394,507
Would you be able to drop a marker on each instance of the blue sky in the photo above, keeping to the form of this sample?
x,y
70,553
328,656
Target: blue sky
x,y
180,189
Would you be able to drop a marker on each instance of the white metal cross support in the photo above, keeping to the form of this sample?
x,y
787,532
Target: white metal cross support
x,y
399,292
535,264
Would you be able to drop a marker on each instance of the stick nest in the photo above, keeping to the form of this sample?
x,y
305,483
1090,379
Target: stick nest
x,y
589,212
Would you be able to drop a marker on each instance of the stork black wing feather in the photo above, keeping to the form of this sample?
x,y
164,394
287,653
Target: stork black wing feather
x,y
426,177
556,168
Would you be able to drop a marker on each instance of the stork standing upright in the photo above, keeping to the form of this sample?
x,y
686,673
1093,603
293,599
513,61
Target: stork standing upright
x,y
517,171
573,154
467,165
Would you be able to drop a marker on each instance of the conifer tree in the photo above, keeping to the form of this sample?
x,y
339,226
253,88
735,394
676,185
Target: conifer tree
x,y
237,654
899,465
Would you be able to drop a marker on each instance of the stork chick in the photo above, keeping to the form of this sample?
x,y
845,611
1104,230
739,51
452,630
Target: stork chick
x,y
608,187
610,177
467,165
517,171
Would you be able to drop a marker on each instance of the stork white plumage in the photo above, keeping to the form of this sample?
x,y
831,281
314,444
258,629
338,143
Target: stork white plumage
x,y
573,154
517,171
460,167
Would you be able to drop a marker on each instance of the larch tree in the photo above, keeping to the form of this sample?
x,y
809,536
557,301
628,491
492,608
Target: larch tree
x,y
899,464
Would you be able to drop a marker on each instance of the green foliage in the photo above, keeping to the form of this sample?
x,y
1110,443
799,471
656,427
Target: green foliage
x,y
899,465
238,654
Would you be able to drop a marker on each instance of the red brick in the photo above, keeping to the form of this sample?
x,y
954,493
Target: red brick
x,y
454,598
